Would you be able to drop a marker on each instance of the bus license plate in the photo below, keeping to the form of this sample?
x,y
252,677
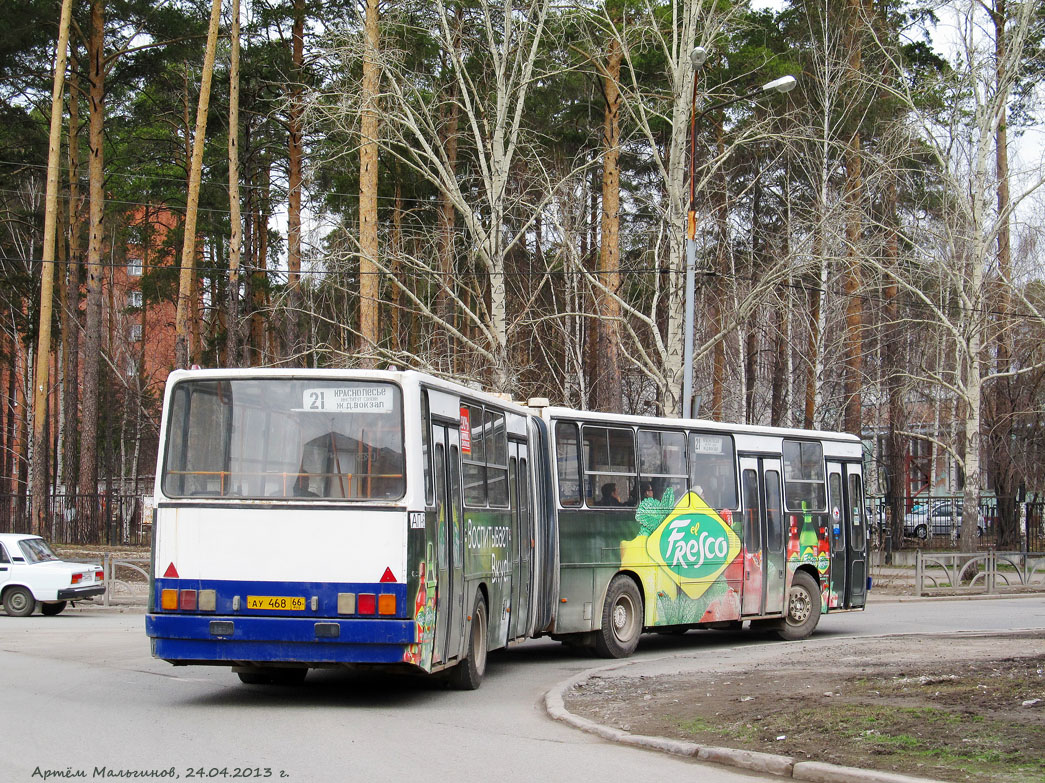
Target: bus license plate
x,y
276,603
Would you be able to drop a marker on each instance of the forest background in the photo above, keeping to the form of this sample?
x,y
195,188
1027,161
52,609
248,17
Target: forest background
x,y
503,192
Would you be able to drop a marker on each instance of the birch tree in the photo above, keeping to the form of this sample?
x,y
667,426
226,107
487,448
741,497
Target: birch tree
x,y
962,143
493,67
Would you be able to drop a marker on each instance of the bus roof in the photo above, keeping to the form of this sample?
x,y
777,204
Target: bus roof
x,y
699,424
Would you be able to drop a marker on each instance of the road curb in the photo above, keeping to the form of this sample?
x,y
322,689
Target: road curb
x,y
751,760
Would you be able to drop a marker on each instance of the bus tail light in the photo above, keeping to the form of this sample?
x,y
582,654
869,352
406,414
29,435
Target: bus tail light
x,y
187,600
208,600
169,599
367,603
346,603
386,603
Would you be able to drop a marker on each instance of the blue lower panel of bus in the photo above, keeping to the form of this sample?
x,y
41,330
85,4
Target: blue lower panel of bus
x,y
310,629
183,637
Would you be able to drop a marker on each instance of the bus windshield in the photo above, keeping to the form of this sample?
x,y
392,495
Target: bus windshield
x,y
297,438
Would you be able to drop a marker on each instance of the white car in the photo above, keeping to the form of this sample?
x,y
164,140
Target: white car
x,y
31,573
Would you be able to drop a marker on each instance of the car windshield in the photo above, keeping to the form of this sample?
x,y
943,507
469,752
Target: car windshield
x,y
36,550
295,438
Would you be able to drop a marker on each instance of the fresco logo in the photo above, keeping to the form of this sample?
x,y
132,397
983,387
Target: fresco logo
x,y
693,545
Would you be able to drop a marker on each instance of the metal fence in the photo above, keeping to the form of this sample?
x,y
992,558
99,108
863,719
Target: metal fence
x,y
106,518
935,522
979,572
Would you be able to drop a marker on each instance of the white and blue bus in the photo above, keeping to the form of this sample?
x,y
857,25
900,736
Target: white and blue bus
x,y
317,518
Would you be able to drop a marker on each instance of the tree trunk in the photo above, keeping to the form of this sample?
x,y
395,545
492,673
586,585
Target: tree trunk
x,y
369,278
186,289
43,351
718,295
397,342
853,375
88,473
892,366
295,154
608,385
1003,468
71,311
444,343
232,318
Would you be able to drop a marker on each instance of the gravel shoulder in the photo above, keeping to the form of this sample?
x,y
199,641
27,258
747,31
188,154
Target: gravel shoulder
x,y
949,707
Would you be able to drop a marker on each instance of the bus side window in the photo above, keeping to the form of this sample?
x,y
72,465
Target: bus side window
x,y
713,469
804,480
662,464
496,459
426,446
752,537
474,456
610,478
774,513
856,501
567,463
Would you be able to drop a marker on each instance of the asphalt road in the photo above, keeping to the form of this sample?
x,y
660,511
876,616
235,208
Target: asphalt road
x,y
80,692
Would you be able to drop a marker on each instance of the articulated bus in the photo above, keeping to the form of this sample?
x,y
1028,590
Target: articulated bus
x,y
324,518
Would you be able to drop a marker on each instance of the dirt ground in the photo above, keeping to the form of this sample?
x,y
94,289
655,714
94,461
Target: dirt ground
x,y
969,708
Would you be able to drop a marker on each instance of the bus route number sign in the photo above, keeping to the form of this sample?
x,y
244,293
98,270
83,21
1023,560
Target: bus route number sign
x,y
349,399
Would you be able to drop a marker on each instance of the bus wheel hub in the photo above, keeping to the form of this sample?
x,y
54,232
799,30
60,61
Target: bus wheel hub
x,y
798,606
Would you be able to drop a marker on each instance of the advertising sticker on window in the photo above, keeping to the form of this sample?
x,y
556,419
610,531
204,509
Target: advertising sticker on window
x,y
466,432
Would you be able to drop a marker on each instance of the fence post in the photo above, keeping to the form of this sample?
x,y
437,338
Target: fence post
x,y
918,573
107,571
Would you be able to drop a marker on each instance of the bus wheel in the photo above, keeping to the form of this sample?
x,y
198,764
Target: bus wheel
x,y
273,675
468,674
803,608
621,620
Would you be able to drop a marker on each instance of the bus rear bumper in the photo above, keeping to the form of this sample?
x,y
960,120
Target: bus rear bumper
x,y
231,639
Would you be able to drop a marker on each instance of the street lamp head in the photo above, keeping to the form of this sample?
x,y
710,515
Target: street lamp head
x,y
698,56
783,84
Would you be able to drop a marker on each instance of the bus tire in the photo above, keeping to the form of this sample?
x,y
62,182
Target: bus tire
x,y
273,675
621,619
467,675
803,608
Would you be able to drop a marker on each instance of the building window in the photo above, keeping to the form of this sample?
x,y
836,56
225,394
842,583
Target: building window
x,y
136,332
134,299
134,266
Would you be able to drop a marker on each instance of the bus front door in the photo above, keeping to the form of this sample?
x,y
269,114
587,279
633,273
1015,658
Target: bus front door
x,y
848,535
448,544
764,556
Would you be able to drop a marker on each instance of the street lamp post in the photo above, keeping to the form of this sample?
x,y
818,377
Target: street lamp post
x,y
783,84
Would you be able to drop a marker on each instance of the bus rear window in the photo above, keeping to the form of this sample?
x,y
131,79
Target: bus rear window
x,y
295,438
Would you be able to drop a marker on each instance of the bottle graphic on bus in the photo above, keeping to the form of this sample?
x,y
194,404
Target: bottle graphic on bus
x,y
793,553
808,541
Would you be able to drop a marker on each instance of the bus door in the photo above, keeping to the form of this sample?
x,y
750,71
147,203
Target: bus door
x,y
448,543
764,557
848,534
522,538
